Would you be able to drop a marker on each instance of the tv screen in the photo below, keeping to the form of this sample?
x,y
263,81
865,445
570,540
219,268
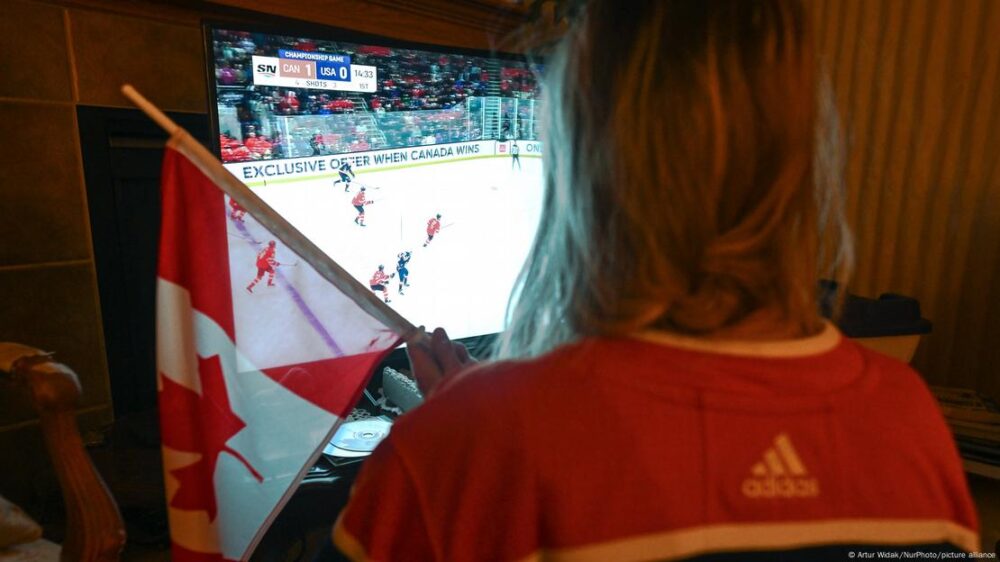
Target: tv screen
x,y
422,163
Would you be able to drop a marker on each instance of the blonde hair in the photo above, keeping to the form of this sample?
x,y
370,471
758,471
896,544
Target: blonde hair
x,y
692,175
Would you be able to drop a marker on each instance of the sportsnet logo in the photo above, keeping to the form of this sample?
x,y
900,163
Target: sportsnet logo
x,y
264,67
781,474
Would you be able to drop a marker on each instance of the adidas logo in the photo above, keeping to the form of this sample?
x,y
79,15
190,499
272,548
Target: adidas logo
x,y
780,475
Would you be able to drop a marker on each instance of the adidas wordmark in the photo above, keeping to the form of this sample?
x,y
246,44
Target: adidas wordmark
x,y
780,474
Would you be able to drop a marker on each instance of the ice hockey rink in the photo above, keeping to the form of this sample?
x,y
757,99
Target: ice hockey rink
x,y
461,281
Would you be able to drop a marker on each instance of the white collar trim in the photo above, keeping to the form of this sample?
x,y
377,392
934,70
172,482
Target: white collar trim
x,y
822,342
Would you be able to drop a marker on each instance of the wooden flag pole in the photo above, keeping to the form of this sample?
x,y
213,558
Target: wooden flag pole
x,y
272,221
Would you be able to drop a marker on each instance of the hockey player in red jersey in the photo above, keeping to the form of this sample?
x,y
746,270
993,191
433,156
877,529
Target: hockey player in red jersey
x,y
237,212
380,282
359,203
266,263
433,227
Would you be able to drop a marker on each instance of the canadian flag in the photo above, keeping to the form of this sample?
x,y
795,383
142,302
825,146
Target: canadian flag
x,y
252,382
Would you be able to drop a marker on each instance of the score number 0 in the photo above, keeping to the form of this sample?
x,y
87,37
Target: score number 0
x,y
339,71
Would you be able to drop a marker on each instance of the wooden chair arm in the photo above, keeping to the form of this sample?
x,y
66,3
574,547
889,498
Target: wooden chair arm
x,y
95,531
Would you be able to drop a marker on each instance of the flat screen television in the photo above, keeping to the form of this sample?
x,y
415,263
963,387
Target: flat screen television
x,y
388,154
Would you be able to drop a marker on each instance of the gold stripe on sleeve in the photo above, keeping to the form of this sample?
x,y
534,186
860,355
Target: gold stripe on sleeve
x,y
695,541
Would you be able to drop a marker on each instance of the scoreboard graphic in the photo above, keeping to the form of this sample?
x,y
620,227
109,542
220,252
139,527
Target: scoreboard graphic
x,y
321,71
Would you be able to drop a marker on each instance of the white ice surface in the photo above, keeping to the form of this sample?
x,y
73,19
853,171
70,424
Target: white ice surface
x,y
461,281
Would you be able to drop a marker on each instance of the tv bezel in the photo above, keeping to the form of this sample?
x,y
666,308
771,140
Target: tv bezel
x,y
479,346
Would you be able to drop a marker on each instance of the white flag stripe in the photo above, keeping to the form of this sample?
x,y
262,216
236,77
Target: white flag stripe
x,y
175,348
300,309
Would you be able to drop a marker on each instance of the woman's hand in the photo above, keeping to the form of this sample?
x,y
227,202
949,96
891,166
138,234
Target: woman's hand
x,y
435,358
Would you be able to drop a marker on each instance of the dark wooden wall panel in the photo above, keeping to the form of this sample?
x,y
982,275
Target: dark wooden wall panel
x,y
463,23
918,87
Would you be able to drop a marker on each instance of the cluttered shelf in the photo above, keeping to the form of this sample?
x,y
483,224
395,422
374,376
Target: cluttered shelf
x,y
974,420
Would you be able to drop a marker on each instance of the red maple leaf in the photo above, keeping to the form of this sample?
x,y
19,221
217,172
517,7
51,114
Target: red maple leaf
x,y
200,424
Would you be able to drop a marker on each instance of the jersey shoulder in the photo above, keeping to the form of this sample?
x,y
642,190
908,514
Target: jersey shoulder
x,y
495,396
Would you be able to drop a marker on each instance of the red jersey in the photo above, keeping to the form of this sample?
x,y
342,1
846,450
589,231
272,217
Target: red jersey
x,y
379,278
288,103
228,142
258,145
236,206
433,226
265,258
359,199
629,449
